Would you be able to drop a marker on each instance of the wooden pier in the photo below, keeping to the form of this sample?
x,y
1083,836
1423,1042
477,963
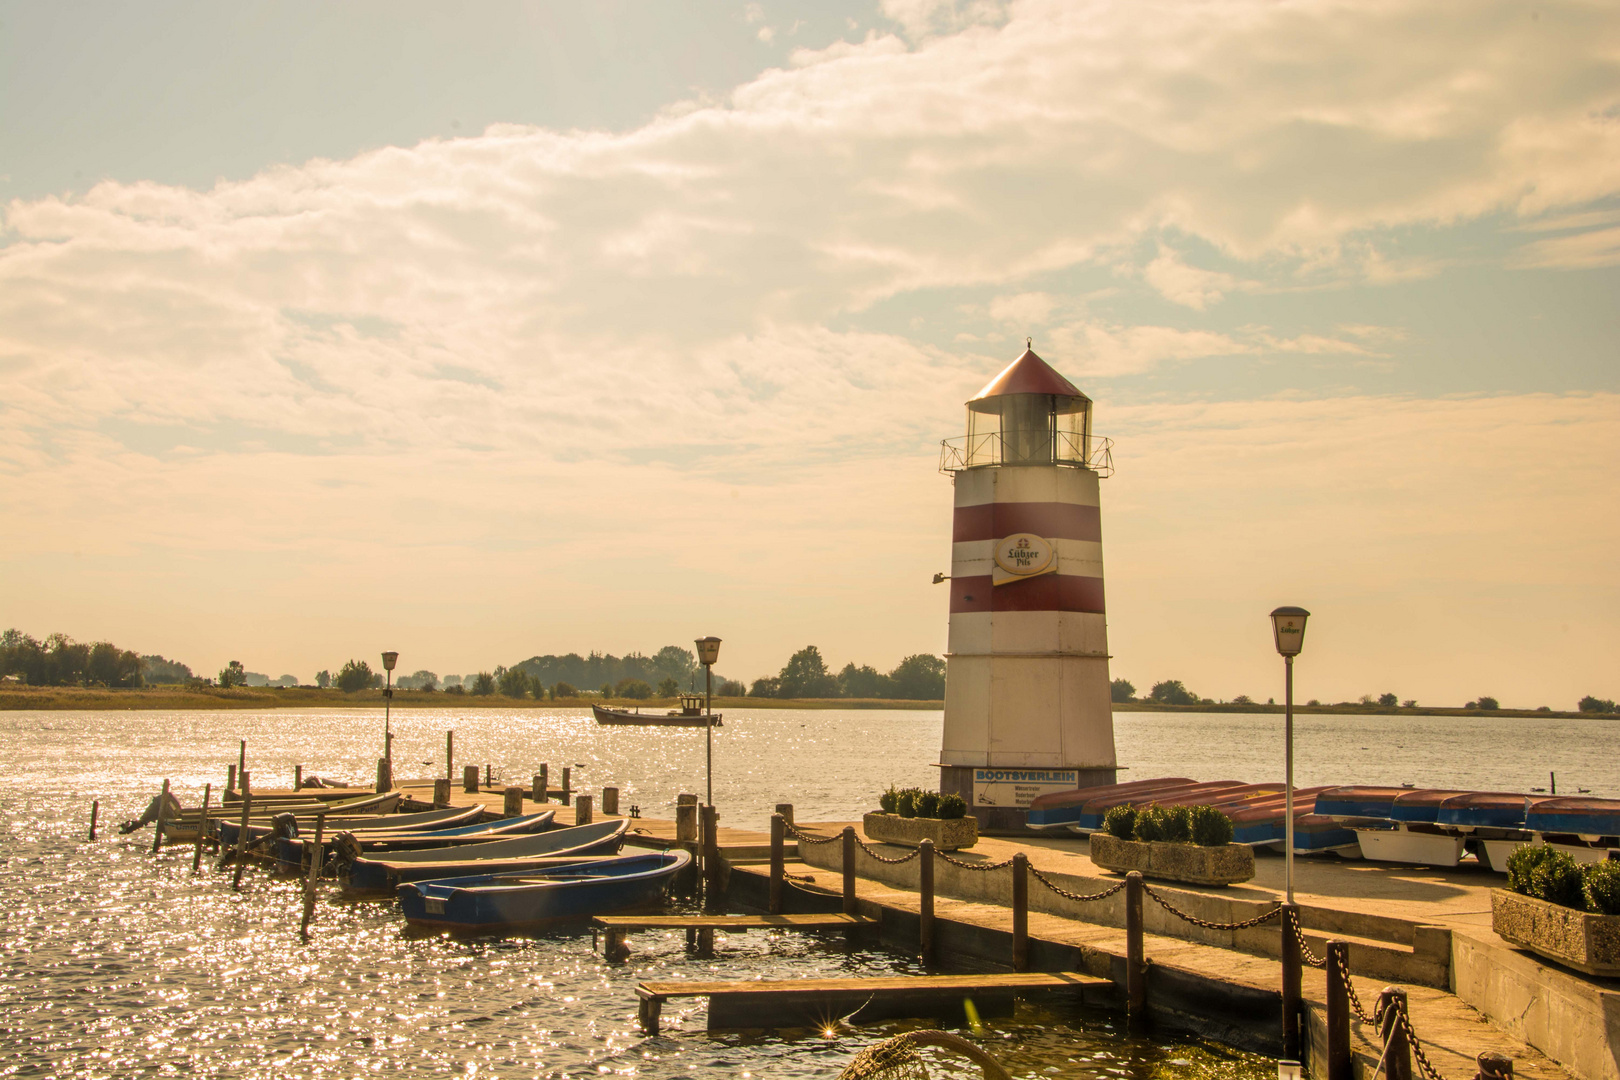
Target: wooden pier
x,y
700,928
815,1003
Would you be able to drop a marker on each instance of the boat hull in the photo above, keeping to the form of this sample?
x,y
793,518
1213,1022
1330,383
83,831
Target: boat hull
x,y
635,719
504,903
383,874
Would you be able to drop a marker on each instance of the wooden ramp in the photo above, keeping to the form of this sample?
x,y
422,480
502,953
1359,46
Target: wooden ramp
x,y
816,1002
700,928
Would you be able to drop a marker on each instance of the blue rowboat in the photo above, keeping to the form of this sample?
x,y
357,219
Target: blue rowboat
x,y
383,872
1421,805
1186,793
1583,816
1485,810
290,850
1356,801
504,902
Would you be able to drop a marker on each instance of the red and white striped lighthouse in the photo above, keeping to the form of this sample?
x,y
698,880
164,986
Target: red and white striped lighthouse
x,y
1027,703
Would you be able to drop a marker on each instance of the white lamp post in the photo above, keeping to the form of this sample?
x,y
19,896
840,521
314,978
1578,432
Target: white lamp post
x,y
389,660
1288,628
708,650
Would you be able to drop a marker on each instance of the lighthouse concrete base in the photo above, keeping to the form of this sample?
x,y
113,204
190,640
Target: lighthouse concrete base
x,y
999,797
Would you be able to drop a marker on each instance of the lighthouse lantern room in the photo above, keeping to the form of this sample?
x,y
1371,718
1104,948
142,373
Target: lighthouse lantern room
x,y
1027,703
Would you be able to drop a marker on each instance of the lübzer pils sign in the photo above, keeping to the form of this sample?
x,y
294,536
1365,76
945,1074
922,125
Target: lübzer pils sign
x,y
1023,555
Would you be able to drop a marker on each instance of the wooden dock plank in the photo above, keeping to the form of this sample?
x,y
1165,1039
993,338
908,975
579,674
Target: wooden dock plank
x,y
729,922
814,1002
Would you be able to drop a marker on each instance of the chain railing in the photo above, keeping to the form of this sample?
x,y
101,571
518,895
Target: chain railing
x,y
1076,897
1205,923
1305,952
805,838
979,868
915,852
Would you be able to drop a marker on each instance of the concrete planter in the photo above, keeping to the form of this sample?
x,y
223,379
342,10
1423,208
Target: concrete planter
x,y
910,831
1187,863
1577,939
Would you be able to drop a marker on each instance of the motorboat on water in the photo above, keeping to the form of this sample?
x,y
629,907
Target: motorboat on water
x,y
690,714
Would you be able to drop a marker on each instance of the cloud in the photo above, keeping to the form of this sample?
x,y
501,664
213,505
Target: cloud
x,y
1029,309
1187,285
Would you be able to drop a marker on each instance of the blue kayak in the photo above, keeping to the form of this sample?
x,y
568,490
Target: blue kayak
x,y
290,849
501,902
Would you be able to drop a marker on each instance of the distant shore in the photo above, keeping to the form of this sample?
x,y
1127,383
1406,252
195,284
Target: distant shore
x,y
15,698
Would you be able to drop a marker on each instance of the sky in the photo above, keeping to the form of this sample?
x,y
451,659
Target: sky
x,y
486,331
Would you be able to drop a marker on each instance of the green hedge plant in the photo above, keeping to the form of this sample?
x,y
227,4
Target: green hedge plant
x,y
906,805
952,807
1210,827
1202,825
1601,882
889,801
915,802
928,804
1120,822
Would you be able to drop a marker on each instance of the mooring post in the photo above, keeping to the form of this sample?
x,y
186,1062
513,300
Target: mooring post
x,y
241,760
298,778
1397,1052
450,754
542,789
95,811
1135,961
1494,1066
385,776
582,810
1292,982
925,901
568,785
241,840
469,779
712,897
610,801
1338,1011
246,779
315,860
1020,911
489,775
686,823
441,793
202,828
778,862
849,869
162,815
786,810
230,779
512,801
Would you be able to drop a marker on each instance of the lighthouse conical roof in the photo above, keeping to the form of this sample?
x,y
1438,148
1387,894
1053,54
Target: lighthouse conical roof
x,y
1028,374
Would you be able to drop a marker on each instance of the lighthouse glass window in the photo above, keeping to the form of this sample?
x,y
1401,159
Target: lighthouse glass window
x,y
1072,430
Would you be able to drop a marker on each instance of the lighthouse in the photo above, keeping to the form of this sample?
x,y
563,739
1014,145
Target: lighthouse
x,y
1027,703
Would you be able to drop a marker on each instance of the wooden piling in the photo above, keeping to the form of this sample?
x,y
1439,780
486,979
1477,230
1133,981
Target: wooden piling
x,y
582,809
1020,911
849,869
95,812
469,779
162,815
542,784
778,862
1135,961
1293,1003
537,788
489,775
298,778
568,785
441,793
316,854
385,776
241,839
241,760
925,901
512,801
686,823
230,778
1397,1052
1338,1012
610,801
202,830
712,890
450,755
786,810
244,783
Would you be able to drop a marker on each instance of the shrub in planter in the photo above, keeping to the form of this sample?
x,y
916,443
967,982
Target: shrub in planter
x,y
1120,822
906,805
1558,881
1149,825
889,801
1210,827
927,803
1177,824
952,807
1523,863
1602,883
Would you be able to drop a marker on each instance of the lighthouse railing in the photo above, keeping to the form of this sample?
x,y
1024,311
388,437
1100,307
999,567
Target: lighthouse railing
x,y
987,448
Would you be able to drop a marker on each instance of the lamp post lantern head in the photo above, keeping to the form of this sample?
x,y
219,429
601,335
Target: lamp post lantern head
x,y
708,650
389,660
1288,628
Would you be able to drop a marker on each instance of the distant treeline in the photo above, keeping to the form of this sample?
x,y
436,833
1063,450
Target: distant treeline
x,y
1172,692
61,661
916,678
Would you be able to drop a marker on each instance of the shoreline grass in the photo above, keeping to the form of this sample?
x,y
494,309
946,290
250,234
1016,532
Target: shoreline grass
x,y
15,697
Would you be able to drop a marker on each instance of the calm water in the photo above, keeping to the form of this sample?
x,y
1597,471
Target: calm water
x,y
113,963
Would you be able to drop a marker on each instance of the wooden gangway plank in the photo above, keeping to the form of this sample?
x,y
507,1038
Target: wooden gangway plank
x,y
700,928
812,1002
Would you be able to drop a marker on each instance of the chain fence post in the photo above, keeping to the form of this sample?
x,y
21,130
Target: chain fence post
x,y
925,901
1135,962
1338,1011
1292,982
1397,1051
1494,1066
849,869
778,861
1020,911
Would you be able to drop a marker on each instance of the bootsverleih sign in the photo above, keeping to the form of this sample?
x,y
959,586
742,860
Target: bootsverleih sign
x,y
1019,787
